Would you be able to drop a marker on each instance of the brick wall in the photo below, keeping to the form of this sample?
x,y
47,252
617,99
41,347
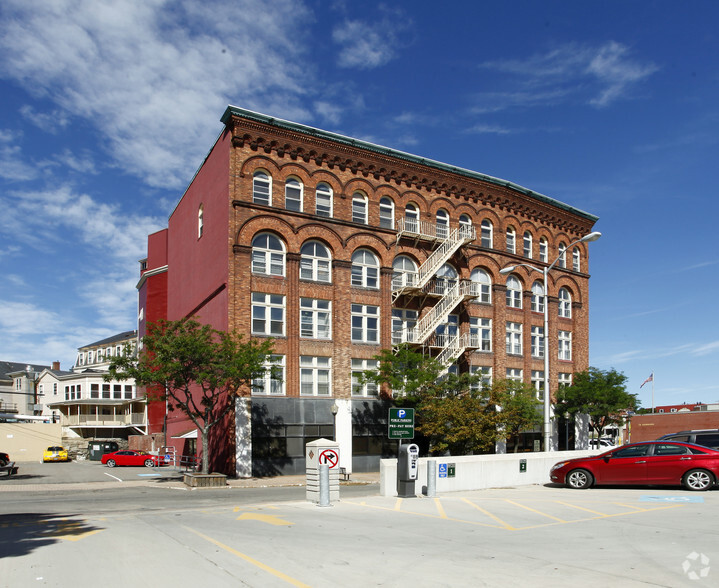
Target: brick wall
x,y
647,427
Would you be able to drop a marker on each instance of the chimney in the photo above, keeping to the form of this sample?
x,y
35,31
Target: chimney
x,y
56,366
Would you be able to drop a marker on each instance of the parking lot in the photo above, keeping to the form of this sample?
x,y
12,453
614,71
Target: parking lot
x,y
543,534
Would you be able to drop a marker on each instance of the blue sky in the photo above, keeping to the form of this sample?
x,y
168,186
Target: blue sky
x,y
107,109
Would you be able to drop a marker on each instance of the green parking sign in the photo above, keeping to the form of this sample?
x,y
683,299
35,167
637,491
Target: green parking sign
x,y
401,423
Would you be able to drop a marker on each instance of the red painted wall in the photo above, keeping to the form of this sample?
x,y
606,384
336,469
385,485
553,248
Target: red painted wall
x,y
646,427
198,267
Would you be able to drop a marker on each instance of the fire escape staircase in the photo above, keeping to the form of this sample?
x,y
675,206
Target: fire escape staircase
x,y
452,291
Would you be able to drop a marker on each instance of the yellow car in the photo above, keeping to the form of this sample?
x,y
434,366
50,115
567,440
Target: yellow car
x,y
55,453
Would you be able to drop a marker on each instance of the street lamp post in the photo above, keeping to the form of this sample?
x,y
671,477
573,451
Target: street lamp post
x,y
547,404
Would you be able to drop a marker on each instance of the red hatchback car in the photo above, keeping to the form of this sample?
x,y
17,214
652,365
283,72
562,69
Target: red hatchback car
x,y
664,463
129,457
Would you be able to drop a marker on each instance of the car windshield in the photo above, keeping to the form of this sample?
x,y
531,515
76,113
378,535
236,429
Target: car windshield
x,y
55,449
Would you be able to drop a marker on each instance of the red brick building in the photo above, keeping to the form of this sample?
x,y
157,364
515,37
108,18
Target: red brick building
x,y
339,248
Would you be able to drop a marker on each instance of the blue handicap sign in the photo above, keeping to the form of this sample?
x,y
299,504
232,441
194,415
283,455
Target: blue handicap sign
x,y
443,470
674,499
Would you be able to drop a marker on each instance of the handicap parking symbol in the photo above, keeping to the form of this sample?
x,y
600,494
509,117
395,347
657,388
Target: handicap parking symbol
x,y
443,470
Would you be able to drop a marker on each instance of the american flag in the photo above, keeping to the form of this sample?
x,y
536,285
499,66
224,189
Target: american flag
x,y
649,379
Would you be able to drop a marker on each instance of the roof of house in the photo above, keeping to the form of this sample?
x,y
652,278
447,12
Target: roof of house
x,y
120,337
9,367
292,126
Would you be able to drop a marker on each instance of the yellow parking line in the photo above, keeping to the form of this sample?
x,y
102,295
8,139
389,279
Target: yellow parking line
x,y
398,504
490,515
639,508
544,514
596,512
251,560
440,509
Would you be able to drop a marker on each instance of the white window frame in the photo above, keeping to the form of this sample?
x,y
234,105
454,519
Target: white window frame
x,y
315,375
315,318
515,374
564,308
294,194
315,262
360,210
268,385
411,217
261,183
359,367
365,323
404,272
564,379
486,234
386,212
576,259
403,322
527,245
538,383
442,223
537,299
485,373
511,240
513,338
537,341
266,257
481,276
365,269
564,347
480,332
269,311
562,255
543,248
323,200
514,292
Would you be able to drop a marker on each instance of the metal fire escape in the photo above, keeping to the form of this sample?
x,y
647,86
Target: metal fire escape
x,y
425,282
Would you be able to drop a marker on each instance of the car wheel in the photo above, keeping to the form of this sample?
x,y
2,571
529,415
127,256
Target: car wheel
x,y
698,480
149,463
579,479
111,463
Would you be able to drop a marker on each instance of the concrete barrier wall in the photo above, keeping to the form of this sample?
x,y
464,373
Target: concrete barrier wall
x,y
27,441
475,472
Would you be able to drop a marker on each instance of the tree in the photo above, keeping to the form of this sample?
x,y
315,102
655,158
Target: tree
x,y
455,412
196,369
600,394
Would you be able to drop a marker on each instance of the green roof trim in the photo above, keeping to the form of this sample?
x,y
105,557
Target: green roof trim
x,y
292,126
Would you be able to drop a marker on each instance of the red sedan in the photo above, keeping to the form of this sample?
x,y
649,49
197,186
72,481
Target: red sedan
x,y
129,457
664,463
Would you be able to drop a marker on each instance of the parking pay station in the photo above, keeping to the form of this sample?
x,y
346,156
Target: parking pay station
x,y
407,470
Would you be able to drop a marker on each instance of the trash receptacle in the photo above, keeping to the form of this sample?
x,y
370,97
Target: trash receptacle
x,y
96,449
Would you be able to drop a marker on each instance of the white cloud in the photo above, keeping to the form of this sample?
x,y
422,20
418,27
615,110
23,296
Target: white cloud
x,y
490,130
12,165
598,75
154,75
707,348
368,44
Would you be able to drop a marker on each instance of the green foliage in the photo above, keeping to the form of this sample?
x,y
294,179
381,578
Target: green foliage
x,y
455,412
600,394
195,368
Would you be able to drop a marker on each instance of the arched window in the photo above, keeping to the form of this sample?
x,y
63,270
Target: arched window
x,y
481,277
511,240
386,213
562,254
365,269
262,188
576,260
200,221
442,223
404,272
268,255
527,249
446,279
315,262
514,292
543,249
411,216
323,200
359,208
487,236
465,225
565,303
537,297
293,195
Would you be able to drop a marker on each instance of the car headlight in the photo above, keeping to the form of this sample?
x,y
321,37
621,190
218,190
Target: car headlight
x,y
558,465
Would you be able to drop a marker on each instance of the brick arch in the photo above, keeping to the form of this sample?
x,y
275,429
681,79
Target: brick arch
x,y
441,202
323,175
314,231
293,169
412,196
388,190
252,164
366,240
266,223
568,282
407,254
489,264
359,185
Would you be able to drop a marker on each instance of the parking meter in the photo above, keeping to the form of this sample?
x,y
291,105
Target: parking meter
x,y
407,469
